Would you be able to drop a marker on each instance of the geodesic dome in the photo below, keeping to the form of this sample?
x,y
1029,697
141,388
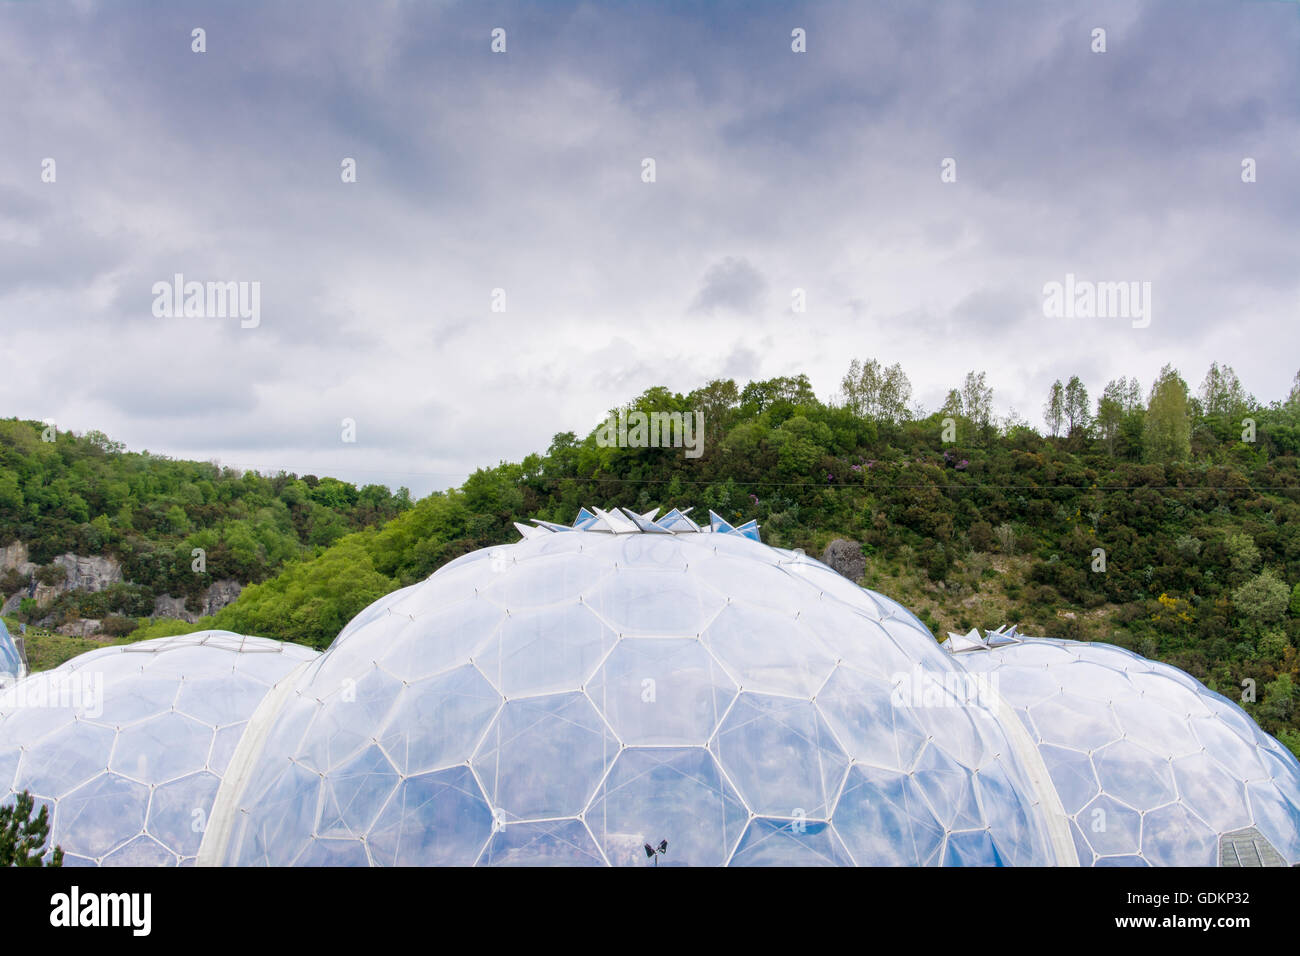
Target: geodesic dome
x,y
1151,766
588,692
127,745
11,662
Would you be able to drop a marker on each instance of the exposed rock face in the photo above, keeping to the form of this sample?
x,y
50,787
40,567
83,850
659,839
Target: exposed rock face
x,y
218,595
89,574
14,556
846,557
97,573
164,605
84,574
82,627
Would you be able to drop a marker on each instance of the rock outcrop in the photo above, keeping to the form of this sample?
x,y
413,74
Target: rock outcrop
x,y
82,627
845,557
218,595
83,574
90,574
14,557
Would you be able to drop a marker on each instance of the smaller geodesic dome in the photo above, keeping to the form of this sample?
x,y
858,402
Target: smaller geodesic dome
x,y
1151,766
127,745
11,662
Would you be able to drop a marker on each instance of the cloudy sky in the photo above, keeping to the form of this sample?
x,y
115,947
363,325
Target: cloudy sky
x,y
522,171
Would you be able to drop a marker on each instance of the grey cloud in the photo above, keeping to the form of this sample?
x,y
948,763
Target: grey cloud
x,y
732,284
477,171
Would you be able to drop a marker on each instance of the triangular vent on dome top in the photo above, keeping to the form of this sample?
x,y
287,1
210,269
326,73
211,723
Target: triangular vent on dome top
x,y
627,521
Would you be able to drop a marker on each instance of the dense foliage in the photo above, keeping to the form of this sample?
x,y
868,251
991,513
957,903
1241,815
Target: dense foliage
x,y
62,493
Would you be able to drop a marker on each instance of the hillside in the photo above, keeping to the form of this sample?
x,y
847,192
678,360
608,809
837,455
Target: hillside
x,y
92,533
1148,523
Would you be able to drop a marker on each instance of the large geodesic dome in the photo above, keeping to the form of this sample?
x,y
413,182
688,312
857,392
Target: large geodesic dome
x,y
127,745
11,662
593,691
1151,767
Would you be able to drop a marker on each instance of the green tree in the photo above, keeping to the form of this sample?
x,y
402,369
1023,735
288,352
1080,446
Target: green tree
x,y
1261,601
1168,431
977,401
1054,408
1075,406
177,522
1242,553
1110,412
873,391
1221,393
22,837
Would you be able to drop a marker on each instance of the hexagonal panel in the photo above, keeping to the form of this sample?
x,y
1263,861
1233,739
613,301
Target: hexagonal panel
x,y
781,756
854,639
162,748
439,721
1134,775
972,848
101,815
1110,827
1095,681
352,718
756,584
862,712
949,789
769,652
324,852
884,821
545,651
543,756
662,691
1155,728
354,793
647,552
1011,812
1228,748
1210,792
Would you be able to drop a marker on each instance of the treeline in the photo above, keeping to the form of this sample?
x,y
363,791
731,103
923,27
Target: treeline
x,y
84,494
1166,524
